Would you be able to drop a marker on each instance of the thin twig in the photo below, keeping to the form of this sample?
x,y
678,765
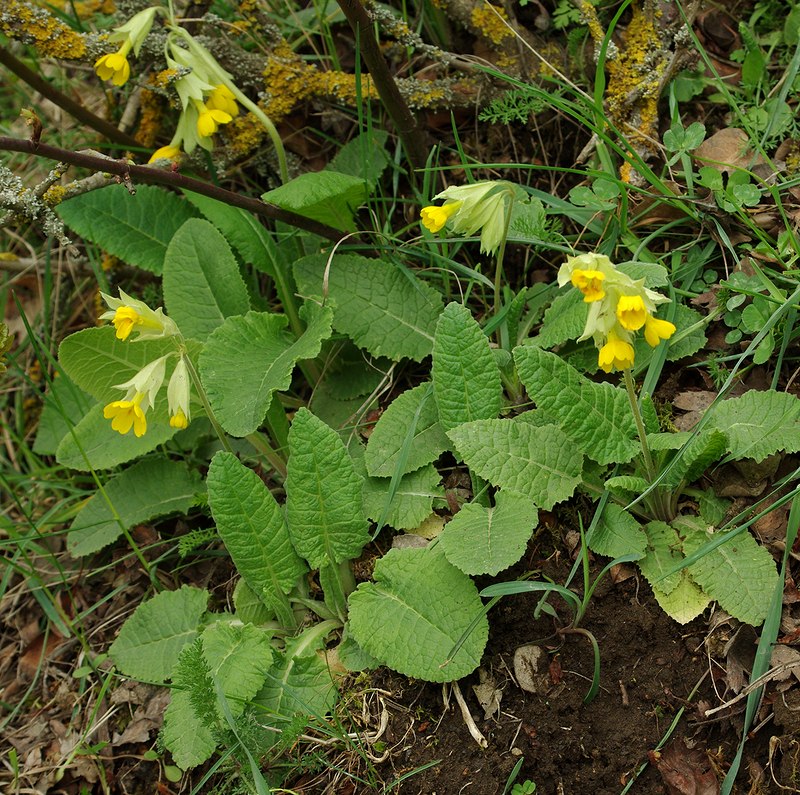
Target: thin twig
x,y
156,176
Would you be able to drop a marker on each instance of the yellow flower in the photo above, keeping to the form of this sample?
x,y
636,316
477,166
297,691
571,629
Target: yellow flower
x,y
616,354
222,98
169,152
590,283
631,312
125,318
209,119
129,315
141,394
434,218
484,206
114,66
179,395
656,330
127,414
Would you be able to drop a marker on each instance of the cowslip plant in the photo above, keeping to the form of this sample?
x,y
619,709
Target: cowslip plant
x,y
296,502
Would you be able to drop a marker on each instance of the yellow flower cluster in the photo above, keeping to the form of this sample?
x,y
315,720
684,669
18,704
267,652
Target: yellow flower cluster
x,y
618,307
205,89
129,316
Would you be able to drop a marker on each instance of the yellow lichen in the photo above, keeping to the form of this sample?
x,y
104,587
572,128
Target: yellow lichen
x,y
88,8
163,78
54,195
150,115
8,256
32,24
488,20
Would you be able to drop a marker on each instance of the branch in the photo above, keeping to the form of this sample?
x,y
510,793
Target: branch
x,y
156,176
412,136
75,109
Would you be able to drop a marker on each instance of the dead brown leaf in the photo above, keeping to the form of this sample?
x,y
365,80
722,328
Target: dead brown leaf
x,y
727,150
687,771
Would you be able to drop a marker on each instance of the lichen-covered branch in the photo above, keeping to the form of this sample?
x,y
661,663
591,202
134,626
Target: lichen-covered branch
x,y
129,172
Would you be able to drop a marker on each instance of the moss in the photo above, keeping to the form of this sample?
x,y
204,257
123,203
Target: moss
x,y
488,20
32,24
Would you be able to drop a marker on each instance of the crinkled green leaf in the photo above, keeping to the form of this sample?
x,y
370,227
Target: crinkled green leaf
x,y
249,607
246,234
299,681
684,602
325,196
481,540
617,534
188,738
94,444
679,346
413,627
411,503
96,360
247,359
564,320
707,447
739,574
622,486
596,417
382,308
540,462
134,227
759,424
251,524
349,373
202,284
407,436
150,641
466,379
150,488
238,657
664,552
364,156
323,494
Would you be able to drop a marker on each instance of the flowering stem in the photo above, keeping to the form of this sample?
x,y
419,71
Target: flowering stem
x,y
193,374
661,507
637,417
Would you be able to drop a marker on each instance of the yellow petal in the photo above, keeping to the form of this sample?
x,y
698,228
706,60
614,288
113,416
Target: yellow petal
x,y
656,330
590,283
434,218
631,312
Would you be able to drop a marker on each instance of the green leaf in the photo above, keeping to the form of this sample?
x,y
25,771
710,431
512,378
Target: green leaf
x,y
349,374
564,320
480,540
94,444
96,360
412,501
247,359
134,227
679,346
242,230
622,486
664,552
407,436
202,283
739,574
251,525
759,424
617,534
299,681
702,451
540,462
238,657
325,196
596,417
150,488
64,406
323,494
381,307
188,738
249,607
466,379
150,641
413,627
364,157
684,602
